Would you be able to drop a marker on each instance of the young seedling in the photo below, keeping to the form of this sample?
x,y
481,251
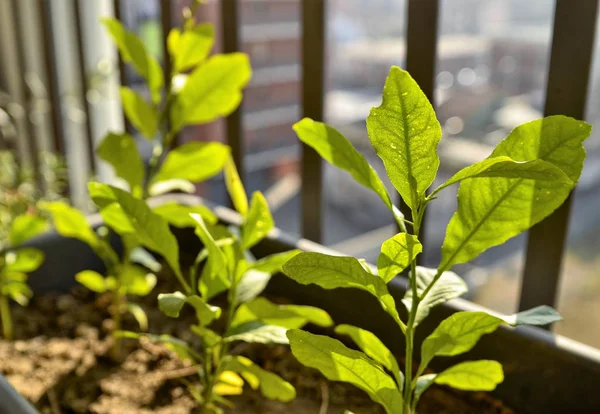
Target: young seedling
x,y
225,267
528,175
16,263
19,222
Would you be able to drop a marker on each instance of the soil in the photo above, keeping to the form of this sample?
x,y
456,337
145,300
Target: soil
x,y
61,363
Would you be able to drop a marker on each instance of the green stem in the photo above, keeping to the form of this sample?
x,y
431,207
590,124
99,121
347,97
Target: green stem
x,y
7,327
410,325
117,301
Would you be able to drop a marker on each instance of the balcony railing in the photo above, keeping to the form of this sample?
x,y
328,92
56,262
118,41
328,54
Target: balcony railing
x,y
566,93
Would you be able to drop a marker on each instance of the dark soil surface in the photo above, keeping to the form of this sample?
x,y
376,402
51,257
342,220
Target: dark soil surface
x,y
61,363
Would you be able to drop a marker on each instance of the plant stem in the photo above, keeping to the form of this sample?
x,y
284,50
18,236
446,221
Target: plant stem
x,y
410,325
7,328
117,299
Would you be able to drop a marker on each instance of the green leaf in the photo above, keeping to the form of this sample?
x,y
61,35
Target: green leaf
x,y
209,337
151,230
396,254
258,223
448,286
257,332
491,210
287,316
134,52
272,264
331,272
172,303
141,256
120,151
17,291
136,280
183,350
337,150
423,383
142,115
251,285
405,134
193,161
235,188
481,375
214,278
70,222
23,260
212,90
271,386
541,315
501,166
339,363
191,47
370,345
25,227
458,334
176,184
138,314
178,215
93,281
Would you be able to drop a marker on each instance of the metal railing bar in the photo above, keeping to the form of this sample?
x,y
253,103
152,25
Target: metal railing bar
x,y
122,68
79,42
230,24
52,76
313,89
421,52
568,78
20,64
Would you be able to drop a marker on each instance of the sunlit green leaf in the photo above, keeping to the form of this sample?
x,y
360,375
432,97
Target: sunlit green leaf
x,y
370,345
138,314
448,286
120,151
396,254
271,386
142,115
70,222
287,316
172,303
183,350
167,186
235,188
18,291
331,272
423,383
134,52
339,151
258,223
214,278
92,280
458,334
178,215
273,263
212,90
405,133
24,260
193,161
191,47
136,280
339,363
257,332
251,284
491,210
25,227
151,230
481,375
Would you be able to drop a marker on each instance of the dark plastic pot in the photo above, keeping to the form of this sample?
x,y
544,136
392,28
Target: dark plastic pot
x,y
544,373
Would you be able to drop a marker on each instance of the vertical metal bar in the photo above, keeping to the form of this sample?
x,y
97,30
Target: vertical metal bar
x,y
313,89
230,23
568,76
27,95
122,68
421,52
166,18
52,76
79,33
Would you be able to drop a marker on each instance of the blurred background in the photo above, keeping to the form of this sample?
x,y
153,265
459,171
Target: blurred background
x,y
490,76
